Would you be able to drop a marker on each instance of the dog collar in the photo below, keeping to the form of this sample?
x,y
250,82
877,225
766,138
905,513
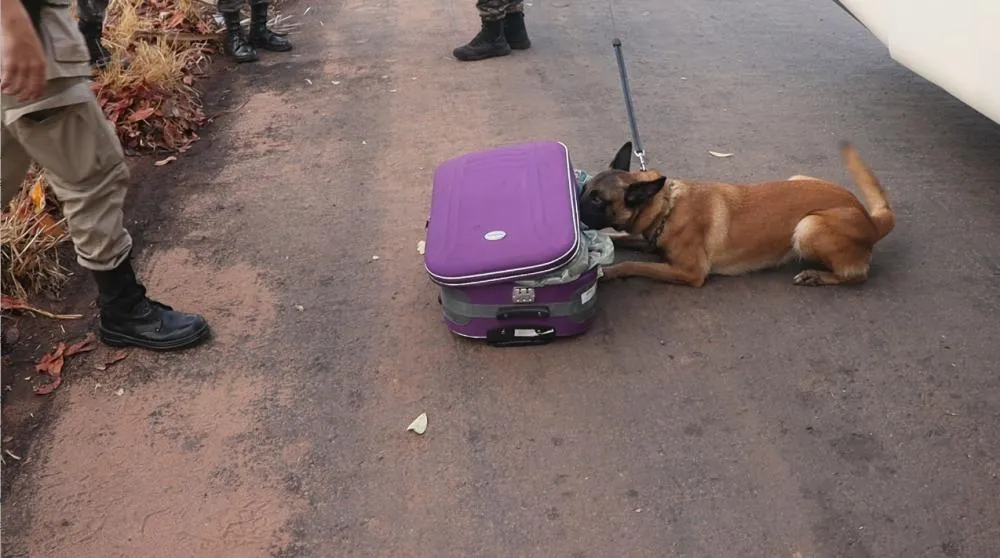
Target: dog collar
x,y
661,223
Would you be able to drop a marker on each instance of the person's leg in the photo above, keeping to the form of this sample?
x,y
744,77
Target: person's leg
x,y
91,14
513,26
260,36
85,165
490,41
236,44
14,163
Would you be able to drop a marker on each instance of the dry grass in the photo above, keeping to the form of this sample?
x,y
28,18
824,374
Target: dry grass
x,y
30,235
158,48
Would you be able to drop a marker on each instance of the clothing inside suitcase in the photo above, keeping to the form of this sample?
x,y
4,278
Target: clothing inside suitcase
x,y
506,245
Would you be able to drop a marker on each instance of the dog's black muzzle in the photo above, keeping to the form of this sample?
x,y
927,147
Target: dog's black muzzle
x,y
594,212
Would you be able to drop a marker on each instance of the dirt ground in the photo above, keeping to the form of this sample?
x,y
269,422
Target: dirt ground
x,y
747,418
28,339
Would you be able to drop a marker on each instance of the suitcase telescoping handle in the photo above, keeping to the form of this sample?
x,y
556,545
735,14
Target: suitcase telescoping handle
x,y
640,153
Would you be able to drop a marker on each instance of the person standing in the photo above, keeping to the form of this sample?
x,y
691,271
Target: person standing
x,y
50,116
244,49
502,30
91,22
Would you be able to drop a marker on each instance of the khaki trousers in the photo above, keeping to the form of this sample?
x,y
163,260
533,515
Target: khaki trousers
x,y
66,133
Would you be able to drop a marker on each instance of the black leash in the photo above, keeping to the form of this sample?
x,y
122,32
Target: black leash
x,y
637,149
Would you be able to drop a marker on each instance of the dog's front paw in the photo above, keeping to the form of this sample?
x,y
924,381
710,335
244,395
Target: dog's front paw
x,y
810,278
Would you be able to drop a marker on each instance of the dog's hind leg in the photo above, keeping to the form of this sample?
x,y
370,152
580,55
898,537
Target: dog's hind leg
x,y
841,239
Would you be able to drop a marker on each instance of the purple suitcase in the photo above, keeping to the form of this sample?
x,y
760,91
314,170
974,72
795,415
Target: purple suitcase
x,y
500,218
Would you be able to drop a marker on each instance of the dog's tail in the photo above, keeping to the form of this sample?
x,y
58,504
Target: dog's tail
x,y
878,205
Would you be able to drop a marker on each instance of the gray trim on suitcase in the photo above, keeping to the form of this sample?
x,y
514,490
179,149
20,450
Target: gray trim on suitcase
x,y
458,310
499,276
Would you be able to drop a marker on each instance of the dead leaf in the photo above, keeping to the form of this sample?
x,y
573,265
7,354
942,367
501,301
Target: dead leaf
x,y
52,363
419,425
720,155
162,162
45,389
142,114
117,357
88,344
175,21
38,195
50,226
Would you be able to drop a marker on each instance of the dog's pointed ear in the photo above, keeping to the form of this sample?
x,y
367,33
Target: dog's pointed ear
x,y
623,159
638,193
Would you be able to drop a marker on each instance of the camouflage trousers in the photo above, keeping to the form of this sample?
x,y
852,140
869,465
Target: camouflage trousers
x,y
91,11
492,10
236,5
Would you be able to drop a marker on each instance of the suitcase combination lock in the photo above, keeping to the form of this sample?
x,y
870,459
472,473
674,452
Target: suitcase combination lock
x,y
523,295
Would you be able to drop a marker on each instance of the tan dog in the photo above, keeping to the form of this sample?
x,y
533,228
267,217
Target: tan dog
x,y
705,228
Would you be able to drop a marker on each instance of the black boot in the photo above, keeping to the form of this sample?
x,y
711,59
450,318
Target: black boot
x,y
236,45
488,43
99,56
260,35
516,33
130,319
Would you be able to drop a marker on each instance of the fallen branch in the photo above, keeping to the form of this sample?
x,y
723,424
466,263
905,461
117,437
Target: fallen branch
x,y
9,304
178,36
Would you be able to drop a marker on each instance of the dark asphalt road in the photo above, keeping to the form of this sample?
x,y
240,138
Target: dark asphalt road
x,y
747,418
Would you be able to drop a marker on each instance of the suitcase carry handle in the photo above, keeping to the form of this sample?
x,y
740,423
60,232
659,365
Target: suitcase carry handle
x,y
522,312
515,336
